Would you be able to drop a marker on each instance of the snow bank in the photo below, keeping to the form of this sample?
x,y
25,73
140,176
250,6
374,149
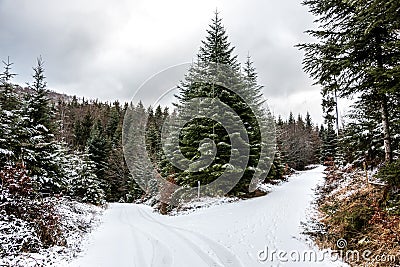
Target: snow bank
x,y
76,220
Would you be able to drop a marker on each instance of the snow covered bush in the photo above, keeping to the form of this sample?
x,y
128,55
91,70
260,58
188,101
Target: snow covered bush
x,y
21,245
26,221
16,236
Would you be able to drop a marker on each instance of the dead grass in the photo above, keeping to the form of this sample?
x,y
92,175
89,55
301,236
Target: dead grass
x,y
353,210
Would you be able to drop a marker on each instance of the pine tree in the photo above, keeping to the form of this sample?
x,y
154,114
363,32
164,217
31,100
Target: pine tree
x,y
216,47
117,176
40,110
309,124
113,121
9,117
8,98
329,139
254,90
98,149
312,141
279,121
82,131
139,183
88,185
83,183
292,122
39,143
117,172
266,131
202,137
215,50
361,138
152,136
357,53
159,116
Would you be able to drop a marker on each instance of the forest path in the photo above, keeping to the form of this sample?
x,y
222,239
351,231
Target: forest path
x,y
231,235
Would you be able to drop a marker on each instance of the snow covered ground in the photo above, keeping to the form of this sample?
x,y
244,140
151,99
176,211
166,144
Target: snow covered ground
x,y
76,220
264,231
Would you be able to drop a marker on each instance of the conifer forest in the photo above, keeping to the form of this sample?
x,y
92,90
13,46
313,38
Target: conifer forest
x,y
141,183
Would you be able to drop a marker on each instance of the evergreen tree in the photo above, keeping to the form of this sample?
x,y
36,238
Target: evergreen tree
x,y
254,93
361,137
113,122
215,50
140,182
117,171
216,47
254,90
151,135
39,144
329,138
87,185
82,131
40,110
9,117
292,122
81,181
159,116
8,98
117,176
357,53
279,121
98,149
216,62
309,124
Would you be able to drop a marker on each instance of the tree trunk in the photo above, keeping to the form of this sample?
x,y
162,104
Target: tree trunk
x,y
386,130
337,114
383,99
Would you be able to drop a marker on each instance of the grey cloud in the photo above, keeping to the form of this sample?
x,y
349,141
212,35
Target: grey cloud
x,y
104,49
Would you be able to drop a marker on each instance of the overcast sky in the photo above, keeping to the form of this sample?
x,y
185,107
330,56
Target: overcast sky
x,y
106,49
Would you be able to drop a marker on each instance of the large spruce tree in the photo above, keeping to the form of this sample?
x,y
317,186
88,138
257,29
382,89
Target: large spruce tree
x,y
207,142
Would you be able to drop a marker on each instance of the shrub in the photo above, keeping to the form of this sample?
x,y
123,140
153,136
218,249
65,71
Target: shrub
x,y
20,203
390,173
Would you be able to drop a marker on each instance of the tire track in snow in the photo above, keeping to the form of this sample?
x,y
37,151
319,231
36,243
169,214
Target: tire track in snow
x,y
225,256
209,238
139,259
161,254
195,248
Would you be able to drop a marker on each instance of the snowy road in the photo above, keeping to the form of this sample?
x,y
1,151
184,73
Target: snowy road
x,y
231,235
